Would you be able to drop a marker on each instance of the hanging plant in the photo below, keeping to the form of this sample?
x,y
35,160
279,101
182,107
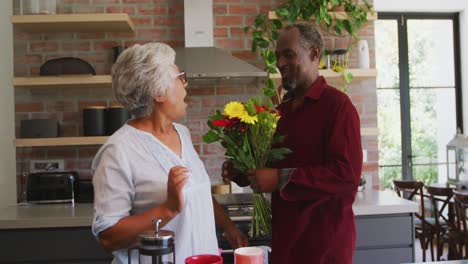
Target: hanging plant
x,y
265,31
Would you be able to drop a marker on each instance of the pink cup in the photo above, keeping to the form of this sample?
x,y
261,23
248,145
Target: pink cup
x,y
248,255
204,259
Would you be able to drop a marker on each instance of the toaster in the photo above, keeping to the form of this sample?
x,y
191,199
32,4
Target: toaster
x,y
51,187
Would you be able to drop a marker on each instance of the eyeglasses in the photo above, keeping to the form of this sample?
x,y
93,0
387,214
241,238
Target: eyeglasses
x,y
182,76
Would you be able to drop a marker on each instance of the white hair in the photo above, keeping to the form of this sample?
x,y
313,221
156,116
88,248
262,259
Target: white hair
x,y
141,73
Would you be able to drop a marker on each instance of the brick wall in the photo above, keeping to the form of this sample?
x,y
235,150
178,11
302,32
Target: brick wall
x,y
155,20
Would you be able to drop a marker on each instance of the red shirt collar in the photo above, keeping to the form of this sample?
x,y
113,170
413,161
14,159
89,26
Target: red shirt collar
x,y
317,88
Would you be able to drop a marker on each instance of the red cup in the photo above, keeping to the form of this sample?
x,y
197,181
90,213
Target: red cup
x,y
204,259
248,255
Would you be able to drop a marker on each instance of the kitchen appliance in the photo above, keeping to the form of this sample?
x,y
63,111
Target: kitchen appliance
x,y
51,187
239,207
84,191
39,128
156,247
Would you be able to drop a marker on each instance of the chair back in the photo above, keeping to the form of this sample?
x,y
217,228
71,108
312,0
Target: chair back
x,y
411,190
440,200
461,206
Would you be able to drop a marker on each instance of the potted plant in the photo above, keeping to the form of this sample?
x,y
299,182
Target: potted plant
x,y
265,30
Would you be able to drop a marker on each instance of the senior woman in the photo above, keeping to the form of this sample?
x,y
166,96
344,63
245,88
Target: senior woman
x,y
149,169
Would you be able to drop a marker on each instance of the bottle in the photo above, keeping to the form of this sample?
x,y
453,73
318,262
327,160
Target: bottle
x,y
363,54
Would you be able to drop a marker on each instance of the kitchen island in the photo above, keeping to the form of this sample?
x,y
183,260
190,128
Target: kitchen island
x,y
62,232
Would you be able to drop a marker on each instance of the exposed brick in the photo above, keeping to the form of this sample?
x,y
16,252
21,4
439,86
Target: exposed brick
x,y
105,45
61,106
28,59
71,116
141,21
44,115
200,91
152,10
226,1
228,20
220,32
219,9
152,33
230,44
176,34
87,153
84,104
69,130
243,10
76,46
44,46
229,90
61,153
137,1
29,107
105,2
96,35
80,164
237,32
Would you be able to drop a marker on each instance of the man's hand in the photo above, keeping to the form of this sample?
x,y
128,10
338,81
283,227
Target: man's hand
x,y
264,180
235,237
230,173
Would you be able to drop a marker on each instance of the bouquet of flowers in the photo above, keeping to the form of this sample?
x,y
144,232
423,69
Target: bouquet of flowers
x,y
247,132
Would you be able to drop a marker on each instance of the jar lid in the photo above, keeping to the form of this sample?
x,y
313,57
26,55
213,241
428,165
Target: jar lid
x,y
95,107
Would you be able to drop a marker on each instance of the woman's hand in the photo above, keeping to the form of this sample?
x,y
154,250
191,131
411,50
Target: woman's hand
x,y
175,183
235,237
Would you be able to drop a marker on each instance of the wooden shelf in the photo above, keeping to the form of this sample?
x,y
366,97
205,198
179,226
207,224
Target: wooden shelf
x,y
329,74
338,15
66,81
64,141
74,23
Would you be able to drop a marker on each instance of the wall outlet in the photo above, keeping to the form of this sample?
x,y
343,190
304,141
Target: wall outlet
x,y
45,165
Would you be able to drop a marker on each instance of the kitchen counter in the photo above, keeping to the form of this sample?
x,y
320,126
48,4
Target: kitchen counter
x,y
81,215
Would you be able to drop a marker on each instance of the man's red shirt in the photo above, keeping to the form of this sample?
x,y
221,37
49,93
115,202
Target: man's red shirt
x,y
313,219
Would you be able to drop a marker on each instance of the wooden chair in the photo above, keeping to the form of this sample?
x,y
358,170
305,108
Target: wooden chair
x,y
440,199
461,207
411,190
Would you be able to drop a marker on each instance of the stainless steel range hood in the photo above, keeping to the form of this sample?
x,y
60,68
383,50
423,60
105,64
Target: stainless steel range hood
x,y
211,62
200,59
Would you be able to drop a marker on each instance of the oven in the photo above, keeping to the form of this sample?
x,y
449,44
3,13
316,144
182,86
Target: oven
x,y
239,207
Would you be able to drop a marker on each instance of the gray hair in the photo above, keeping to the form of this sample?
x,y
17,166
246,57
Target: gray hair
x,y
311,37
141,73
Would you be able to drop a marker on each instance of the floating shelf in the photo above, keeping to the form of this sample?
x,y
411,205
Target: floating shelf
x,y
63,141
74,23
357,73
338,15
66,81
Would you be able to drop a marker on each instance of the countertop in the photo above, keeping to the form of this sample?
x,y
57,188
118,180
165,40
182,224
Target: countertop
x,y
80,215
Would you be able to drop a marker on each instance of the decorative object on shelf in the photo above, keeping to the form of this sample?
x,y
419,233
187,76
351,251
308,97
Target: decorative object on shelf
x,y
39,128
363,54
204,259
457,158
66,66
116,117
94,121
265,31
248,255
47,7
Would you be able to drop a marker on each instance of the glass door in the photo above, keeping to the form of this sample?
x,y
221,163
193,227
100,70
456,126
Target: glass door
x,y
418,91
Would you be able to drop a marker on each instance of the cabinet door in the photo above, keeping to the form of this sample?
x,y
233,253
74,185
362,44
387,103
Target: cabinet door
x,y
49,245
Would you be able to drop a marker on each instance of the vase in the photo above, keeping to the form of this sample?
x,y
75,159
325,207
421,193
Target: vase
x,y
363,54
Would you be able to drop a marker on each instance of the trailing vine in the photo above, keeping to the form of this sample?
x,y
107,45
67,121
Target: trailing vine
x,y
265,31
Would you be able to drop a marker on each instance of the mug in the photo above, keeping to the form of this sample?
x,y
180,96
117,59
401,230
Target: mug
x,y
248,255
204,259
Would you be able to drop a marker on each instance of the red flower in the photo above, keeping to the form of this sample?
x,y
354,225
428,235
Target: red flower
x,y
220,122
260,108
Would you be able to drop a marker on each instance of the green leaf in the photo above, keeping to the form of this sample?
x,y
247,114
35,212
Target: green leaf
x,y
268,92
270,57
270,84
263,43
254,46
275,35
348,77
271,69
210,137
347,26
276,24
259,20
246,29
282,12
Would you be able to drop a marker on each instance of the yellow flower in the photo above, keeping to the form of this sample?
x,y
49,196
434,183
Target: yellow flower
x,y
234,109
249,119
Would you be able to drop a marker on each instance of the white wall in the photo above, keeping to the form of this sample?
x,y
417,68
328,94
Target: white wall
x,y
7,117
460,6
